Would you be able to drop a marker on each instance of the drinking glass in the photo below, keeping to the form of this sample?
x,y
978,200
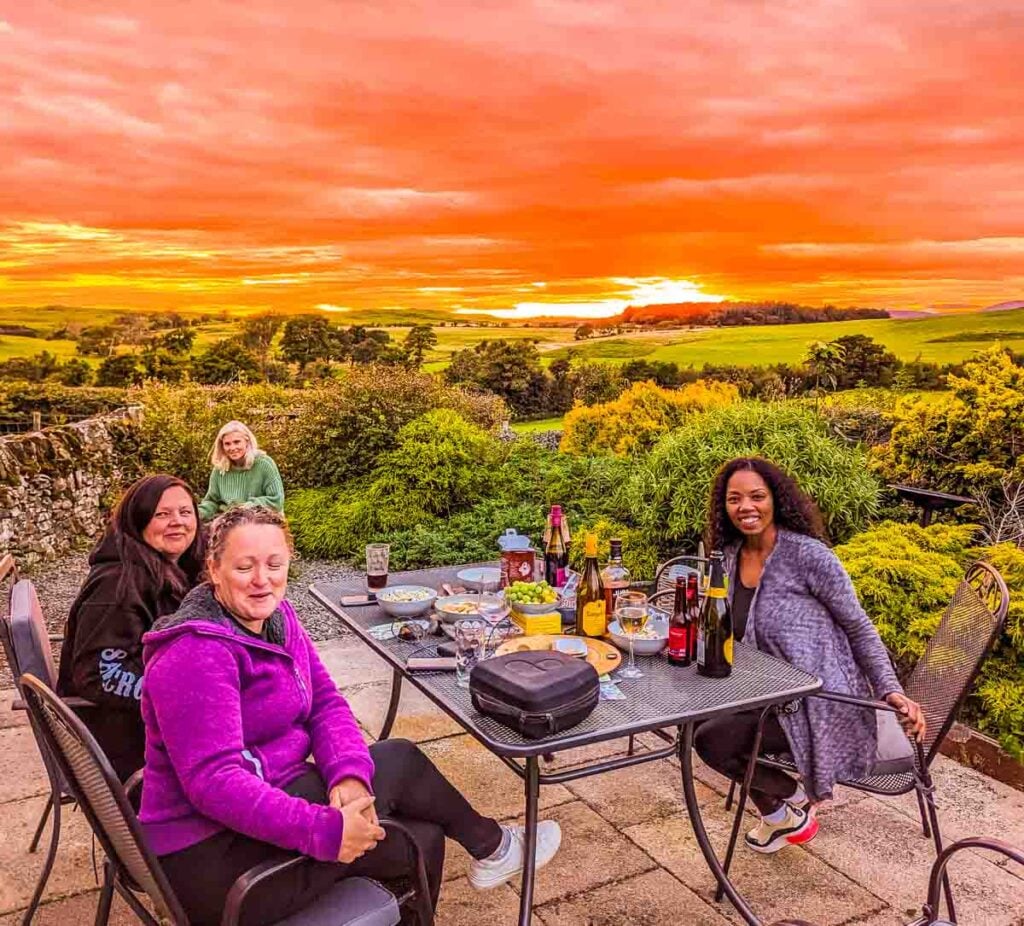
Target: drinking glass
x,y
470,637
631,613
377,555
492,608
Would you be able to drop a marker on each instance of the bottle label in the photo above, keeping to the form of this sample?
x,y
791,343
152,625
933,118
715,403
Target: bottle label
x,y
727,649
714,593
677,641
595,623
700,648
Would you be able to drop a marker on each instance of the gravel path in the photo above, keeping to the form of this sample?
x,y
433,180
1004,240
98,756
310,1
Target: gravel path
x,y
57,584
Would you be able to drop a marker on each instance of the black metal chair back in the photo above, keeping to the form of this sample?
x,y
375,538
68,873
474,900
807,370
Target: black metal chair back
x,y
970,626
103,801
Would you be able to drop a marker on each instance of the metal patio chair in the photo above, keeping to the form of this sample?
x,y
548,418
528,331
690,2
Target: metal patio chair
x,y
26,645
133,871
940,682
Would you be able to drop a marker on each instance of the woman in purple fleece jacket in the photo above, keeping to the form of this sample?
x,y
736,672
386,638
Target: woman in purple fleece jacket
x,y
235,701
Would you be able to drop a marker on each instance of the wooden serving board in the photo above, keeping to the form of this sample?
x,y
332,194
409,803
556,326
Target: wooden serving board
x,y
602,656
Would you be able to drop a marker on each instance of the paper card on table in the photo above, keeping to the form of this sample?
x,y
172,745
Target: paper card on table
x,y
609,690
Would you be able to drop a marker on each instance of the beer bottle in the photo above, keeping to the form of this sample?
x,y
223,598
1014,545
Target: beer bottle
x,y
714,635
591,616
693,613
614,576
679,628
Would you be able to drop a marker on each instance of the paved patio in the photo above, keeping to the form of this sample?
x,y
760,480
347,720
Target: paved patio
x,y
628,854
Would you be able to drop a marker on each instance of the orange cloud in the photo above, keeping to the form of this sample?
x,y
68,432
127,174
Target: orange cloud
x,y
363,155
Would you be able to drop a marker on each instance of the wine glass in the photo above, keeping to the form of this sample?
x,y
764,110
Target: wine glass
x,y
631,613
491,607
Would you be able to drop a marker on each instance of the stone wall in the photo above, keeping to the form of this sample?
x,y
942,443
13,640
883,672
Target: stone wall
x,y
56,484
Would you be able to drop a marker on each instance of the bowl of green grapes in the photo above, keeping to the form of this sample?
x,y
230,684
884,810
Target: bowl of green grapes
x,y
532,597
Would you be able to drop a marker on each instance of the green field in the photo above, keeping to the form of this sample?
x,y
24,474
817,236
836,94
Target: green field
x,y
941,339
944,339
534,427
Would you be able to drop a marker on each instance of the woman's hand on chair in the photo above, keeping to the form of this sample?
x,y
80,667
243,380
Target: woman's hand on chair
x,y
359,834
911,715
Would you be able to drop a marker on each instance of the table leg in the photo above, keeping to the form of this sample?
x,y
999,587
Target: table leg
x,y
748,777
396,696
532,779
697,821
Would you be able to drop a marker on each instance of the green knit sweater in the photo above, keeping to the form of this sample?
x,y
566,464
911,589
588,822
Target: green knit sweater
x,y
260,485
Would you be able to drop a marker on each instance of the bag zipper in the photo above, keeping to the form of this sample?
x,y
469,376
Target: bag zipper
x,y
526,716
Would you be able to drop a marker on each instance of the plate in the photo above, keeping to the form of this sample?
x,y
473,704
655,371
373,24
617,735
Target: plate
x,y
601,655
476,576
466,606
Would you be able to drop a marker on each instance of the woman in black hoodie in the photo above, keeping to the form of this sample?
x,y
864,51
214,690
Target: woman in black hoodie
x,y
150,556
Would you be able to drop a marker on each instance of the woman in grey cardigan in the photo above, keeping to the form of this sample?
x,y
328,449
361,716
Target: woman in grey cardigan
x,y
792,598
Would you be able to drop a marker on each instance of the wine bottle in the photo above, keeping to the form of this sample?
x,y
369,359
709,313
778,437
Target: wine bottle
x,y
556,510
554,552
591,615
614,576
714,634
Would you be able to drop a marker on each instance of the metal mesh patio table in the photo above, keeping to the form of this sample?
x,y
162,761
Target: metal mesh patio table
x,y
666,698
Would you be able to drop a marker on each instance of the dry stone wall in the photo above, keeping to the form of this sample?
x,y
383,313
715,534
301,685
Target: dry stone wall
x,y
56,484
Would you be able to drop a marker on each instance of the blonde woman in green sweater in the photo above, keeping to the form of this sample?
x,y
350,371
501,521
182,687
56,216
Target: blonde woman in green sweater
x,y
242,473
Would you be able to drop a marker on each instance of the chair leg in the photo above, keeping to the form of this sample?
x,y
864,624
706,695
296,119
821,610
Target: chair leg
x,y
106,896
51,855
632,745
937,836
32,846
924,815
729,797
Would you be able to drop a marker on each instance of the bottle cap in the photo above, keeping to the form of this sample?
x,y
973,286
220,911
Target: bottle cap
x,y
591,545
616,546
556,509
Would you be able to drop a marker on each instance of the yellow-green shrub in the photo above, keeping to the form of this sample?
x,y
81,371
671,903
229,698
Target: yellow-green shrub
x,y
636,419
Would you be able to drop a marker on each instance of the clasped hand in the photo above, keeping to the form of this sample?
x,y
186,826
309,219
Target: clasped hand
x,y
362,830
911,715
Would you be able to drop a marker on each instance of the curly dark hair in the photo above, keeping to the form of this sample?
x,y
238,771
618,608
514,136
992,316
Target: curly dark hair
x,y
795,510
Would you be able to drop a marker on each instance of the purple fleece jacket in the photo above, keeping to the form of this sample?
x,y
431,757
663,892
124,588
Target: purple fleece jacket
x,y
230,720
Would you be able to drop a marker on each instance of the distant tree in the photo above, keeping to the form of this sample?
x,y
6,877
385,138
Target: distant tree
x,y
418,341
119,370
258,333
226,361
663,372
510,369
98,340
824,359
177,340
307,338
594,382
583,332
864,360
32,369
164,365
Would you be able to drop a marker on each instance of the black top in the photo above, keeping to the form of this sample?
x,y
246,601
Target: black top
x,y
741,599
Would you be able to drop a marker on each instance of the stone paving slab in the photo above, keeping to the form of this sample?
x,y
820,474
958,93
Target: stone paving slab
x,y
654,898
462,905
68,911
419,719
8,717
875,845
22,773
790,883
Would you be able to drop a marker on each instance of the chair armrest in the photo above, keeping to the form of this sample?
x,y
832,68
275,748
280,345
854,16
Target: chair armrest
x,y
857,702
74,701
134,781
971,842
247,880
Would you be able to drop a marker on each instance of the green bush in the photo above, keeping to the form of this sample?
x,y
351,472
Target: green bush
x,y
905,577
343,427
668,492
53,400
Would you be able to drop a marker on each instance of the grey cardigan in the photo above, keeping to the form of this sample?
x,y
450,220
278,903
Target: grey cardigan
x,y
805,610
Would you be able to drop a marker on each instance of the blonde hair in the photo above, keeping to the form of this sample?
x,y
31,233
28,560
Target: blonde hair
x,y
219,459
242,516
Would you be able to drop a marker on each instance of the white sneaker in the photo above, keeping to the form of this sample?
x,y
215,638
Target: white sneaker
x,y
798,827
490,872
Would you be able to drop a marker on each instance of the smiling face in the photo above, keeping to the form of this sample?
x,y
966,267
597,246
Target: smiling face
x,y
172,528
749,503
235,445
252,572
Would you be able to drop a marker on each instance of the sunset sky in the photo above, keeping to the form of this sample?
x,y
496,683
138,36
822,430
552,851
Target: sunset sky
x,y
517,156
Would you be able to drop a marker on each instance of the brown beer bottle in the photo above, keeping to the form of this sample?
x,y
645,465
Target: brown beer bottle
x,y
714,634
693,613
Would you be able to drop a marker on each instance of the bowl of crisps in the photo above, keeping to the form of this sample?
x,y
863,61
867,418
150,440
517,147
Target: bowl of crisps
x,y
406,600
532,597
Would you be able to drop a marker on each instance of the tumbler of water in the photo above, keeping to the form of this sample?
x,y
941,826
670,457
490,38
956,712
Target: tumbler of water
x,y
470,638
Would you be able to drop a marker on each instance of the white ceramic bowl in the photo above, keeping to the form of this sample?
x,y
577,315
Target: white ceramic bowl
x,y
391,600
477,576
644,644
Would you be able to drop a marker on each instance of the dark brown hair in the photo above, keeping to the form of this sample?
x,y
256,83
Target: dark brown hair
x,y
795,510
142,563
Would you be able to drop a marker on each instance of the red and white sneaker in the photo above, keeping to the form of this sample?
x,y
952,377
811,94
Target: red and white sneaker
x,y
796,828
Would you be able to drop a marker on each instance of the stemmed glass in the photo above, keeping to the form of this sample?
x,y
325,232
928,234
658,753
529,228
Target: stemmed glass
x,y
631,613
491,607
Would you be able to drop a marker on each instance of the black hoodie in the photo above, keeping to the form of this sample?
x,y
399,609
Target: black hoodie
x,y
101,658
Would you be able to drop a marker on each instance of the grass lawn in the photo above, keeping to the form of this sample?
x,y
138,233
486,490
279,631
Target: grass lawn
x,y
533,427
12,346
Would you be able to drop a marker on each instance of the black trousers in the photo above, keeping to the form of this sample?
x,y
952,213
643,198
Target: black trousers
x,y
408,787
725,743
